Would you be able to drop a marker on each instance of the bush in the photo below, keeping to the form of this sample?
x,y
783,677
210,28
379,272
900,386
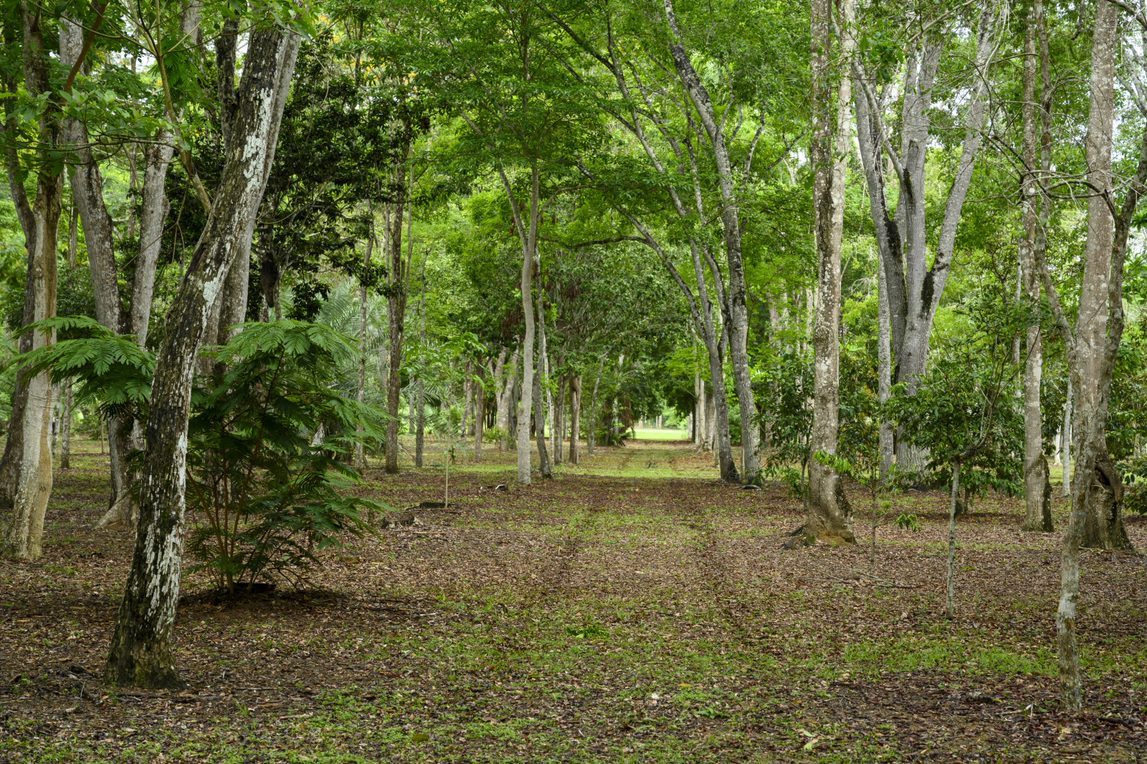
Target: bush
x,y
1133,470
269,439
269,445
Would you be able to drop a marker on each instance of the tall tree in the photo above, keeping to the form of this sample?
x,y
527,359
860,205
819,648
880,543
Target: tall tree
x,y
1093,344
737,316
831,93
26,472
141,651
915,280
1037,479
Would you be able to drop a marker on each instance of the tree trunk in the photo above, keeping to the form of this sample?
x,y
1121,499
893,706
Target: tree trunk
x,y
719,399
828,509
884,385
396,314
527,228
559,409
157,159
141,652
540,383
506,399
67,413
479,417
1037,483
33,485
575,416
699,406
419,423
27,472
953,509
363,321
737,311
467,398
1067,436
1095,518
594,417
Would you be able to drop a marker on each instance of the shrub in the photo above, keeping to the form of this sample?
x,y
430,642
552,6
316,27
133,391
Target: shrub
x,y
269,440
269,447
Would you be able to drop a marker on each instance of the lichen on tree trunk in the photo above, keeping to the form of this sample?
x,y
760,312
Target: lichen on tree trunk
x,y
141,651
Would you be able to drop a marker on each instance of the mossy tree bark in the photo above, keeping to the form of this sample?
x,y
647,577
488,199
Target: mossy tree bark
x,y
828,510
141,651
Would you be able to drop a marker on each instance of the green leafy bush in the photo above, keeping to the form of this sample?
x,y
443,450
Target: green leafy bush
x,y
908,521
269,447
269,440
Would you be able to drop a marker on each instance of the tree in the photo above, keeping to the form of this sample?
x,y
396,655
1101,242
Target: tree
x,y
915,282
141,651
1037,483
829,512
26,470
1093,344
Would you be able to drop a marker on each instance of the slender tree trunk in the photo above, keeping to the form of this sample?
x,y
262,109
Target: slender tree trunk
x,y
396,304
33,484
504,414
540,383
736,295
884,385
419,423
467,398
157,159
527,227
575,416
1067,438
723,443
67,413
559,409
953,509
594,417
479,417
1037,483
141,652
1096,495
28,455
828,509
363,316
699,406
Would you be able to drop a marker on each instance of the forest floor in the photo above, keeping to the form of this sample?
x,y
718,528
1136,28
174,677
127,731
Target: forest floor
x,y
629,610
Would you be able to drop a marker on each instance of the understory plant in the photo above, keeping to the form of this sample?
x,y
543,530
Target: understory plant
x,y
269,475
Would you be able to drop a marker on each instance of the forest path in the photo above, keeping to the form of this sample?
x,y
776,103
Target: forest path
x,y
602,615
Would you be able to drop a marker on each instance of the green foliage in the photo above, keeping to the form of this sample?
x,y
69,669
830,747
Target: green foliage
x,y
268,443
784,393
908,521
1133,471
110,369
268,446
967,409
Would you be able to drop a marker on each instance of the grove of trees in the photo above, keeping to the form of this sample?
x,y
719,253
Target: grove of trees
x,y
857,245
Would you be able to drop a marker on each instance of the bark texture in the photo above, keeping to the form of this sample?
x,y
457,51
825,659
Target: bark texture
x,y
27,471
141,651
829,513
1037,478
526,223
1096,494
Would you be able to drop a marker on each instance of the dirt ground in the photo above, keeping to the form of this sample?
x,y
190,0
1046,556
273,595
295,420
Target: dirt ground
x,y
602,616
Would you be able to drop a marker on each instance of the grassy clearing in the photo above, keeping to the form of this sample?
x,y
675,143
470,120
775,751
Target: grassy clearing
x,y
602,616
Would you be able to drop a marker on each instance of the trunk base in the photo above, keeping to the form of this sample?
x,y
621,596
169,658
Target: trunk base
x,y
1103,528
